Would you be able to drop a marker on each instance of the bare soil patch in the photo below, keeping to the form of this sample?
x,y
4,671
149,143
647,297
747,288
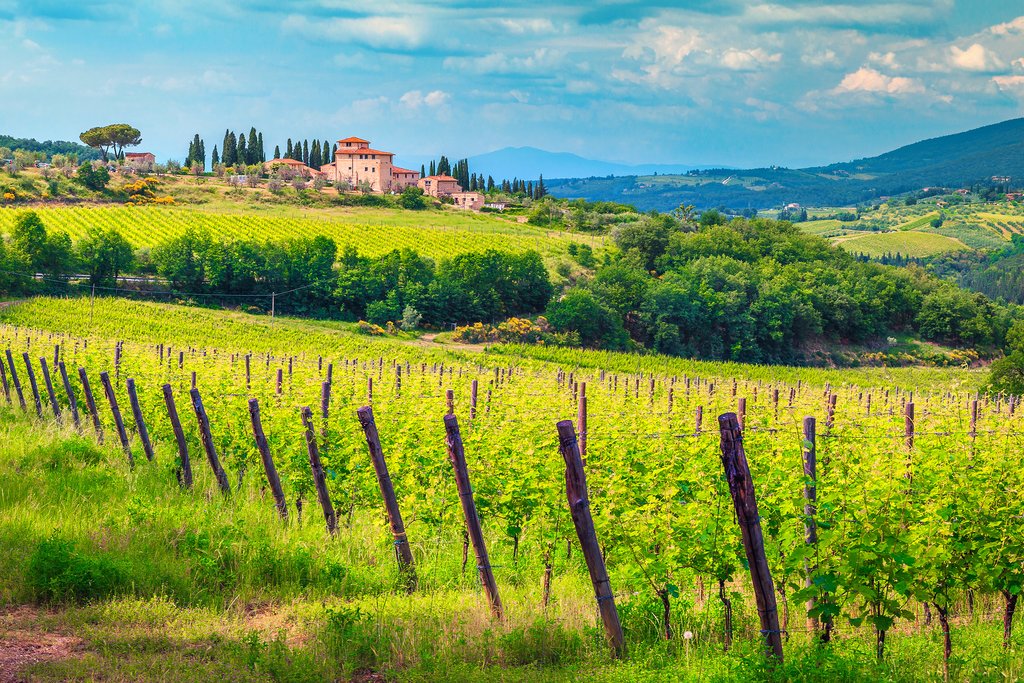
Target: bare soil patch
x,y
23,643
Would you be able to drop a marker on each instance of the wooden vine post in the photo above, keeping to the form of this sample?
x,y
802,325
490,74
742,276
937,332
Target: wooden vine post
x,y
268,461
319,477
457,456
581,422
32,383
90,404
72,401
140,423
51,395
15,381
179,437
108,389
207,438
579,507
741,487
3,382
403,552
810,522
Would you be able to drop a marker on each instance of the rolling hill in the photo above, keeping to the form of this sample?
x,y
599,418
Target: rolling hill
x,y
529,163
957,160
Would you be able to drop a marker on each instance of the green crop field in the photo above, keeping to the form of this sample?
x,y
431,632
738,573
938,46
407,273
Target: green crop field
x,y
907,243
371,231
162,582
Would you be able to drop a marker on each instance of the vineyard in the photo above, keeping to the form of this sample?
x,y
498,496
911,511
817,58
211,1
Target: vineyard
x,y
373,232
192,478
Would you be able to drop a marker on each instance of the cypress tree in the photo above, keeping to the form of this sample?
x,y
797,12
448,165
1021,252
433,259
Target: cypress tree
x,y
191,153
297,150
334,150
277,151
288,152
423,171
202,152
529,189
230,150
323,153
305,152
490,183
433,168
254,150
225,146
540,190
215,158
242,156
263,150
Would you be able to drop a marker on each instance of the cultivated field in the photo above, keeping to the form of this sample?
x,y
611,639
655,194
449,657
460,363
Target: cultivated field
x,y
156,579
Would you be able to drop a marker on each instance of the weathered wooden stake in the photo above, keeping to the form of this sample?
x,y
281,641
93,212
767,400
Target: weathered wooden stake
x,y
140,422
49,389
3,381
579,507
450,400
268,461
319,477
457,456
32,384
72,401
90,404
403,552
741,487
208,445
581,422
108,389
15,381
472,400
179,437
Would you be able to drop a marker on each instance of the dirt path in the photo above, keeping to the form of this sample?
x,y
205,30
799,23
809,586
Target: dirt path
x,y
426,341
23,643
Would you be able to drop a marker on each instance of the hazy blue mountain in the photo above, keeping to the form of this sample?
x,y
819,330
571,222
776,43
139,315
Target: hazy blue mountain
x,y
528,163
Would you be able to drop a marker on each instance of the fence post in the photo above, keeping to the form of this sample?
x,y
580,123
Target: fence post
x,y
387,491
319,478
457,456
268,461
108,389
472,399
15,381
140,423
450,400
579,507
72,401
908,425
741,488
179,437
49,388
325,406
3,381
32,383
810,511
207,438
90,404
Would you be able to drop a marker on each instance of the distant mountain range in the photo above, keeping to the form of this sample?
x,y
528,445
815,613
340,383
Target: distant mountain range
x,y
959,160
529,163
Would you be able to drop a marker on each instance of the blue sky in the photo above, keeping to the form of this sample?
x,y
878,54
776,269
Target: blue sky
x,y
732,82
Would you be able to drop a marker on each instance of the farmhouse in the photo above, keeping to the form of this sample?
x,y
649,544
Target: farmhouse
x,y
356,163
141,158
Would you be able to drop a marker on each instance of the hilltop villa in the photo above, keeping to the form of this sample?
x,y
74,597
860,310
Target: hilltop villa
x,y
355,162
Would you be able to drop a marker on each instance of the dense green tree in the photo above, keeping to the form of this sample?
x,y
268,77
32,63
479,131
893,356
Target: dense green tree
x,y
112,139
277,151
104,254
93,178
580,311
215,157
242,152
230,155
253,148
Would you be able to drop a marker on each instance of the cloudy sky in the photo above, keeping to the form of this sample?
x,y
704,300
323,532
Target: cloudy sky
x,y
732,82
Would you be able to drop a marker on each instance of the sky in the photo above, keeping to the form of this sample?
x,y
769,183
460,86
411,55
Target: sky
x,y
705,82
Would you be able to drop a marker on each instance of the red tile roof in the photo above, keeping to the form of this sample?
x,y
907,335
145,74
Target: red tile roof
x,y
134,155
363,150
441,178
354,140
396,169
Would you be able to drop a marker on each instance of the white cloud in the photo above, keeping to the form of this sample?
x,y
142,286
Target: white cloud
x,y
540,60
975,58
822,58
1009,27
415,99
866,79
749,60
848,14
1009,82
400,32
522,26
887,59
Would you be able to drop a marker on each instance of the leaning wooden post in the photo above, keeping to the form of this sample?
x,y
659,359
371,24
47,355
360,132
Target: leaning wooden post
x,y
472,399
268,461
741,487
90,404
973,433
32,383
49,388
3,381
457,456
581,421
579,507
908,425
387,491
207,438
179,437
72,401
108,389
15,381
741,410
450,400
325,407
319,477
140,422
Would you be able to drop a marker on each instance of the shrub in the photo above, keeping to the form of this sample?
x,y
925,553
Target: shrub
x,y
59,572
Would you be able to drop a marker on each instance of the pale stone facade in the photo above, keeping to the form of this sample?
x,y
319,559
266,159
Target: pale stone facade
x,y
439,185
474,201
355,162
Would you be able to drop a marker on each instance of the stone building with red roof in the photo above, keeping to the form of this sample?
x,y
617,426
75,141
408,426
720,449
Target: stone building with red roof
x,y
355,162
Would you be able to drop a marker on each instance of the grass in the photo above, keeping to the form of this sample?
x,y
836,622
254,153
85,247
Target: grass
x,y
215,590
906,242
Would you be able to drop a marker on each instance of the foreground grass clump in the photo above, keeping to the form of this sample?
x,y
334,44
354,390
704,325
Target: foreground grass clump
x,y
59,572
